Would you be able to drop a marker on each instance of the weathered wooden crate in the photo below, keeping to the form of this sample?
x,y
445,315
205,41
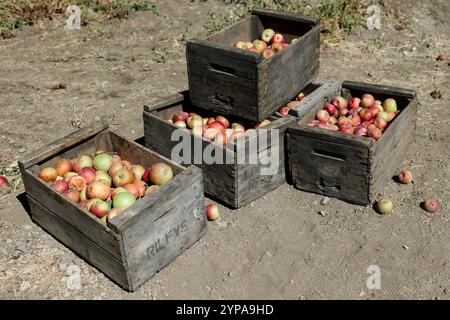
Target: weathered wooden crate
x,y
237,82
146,237
345,166
232,182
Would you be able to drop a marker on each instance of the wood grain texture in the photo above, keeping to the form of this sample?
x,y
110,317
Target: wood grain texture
x,y
350,168
79,243
237,82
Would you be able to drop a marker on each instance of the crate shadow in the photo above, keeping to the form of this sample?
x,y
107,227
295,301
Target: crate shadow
x,y
24,202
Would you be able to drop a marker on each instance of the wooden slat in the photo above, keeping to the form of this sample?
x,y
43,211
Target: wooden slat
x,y
79,243
379,89
286,16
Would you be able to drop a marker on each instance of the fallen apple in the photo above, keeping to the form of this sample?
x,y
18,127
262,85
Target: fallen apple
x,y
405,177
3,181
431,205
212,212
384,206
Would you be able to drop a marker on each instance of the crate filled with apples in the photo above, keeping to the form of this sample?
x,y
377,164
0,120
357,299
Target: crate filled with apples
x,y
254,67
350,142
230,178
125,209
269,44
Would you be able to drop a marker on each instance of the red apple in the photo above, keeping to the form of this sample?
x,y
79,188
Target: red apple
x,y
391,115
380,123
194,121
146,175
210,120
365,114
241,45
60,186
268,53
89,174
179,116
161,173
332,120
3,181
141,186
313,123
98,190
210,133
48,174
82,203
63,166
374,132
277,47
132,188
322,115
212,212
221,139
384,115
360,131
374,110
82,162
277,38
99,208
367,100
355,120
69,175
405,177
339,102
284,111
301,96
354,103
77,183
431,205
116,166
343,121
217,125
343,111
73,195
331,109
347,129
122,177
223,121
267,35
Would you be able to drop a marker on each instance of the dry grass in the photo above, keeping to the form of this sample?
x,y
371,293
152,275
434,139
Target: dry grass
x,y
14,14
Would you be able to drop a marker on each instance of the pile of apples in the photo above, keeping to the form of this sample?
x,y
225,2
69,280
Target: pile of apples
x,y
218,129
292,104
364,117
270,44
105,185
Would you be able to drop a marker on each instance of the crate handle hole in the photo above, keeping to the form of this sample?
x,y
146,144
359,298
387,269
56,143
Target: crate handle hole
x,y
328,154
222,69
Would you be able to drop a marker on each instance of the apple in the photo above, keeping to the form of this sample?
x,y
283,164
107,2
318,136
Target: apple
x,y
217,125
331,109
374,132
99,208
391,115
89,174
180,124
179,116
73,195
259,45
277,47
343,121
237,127
322,115
116,191
268,53
210,120
405,177
123,200
77,183
284,111
3,181
354,103
339,102
98,190
69,175
367,100
384,206
390,105
114,212
212,212
160,173
138,172
197,131
374,110
380,123
431,205
313,123
277,38
267,35
146,175
332,120
122,177
221,139
378,103
253,50
59,185
249,44
210,133
63,166
83,194
347,129
365,114
194,121
223,121
132,188
141,187
332,127
355,120
116,166
301,96
48,174
360,131
151,189
103,177
82,162
240,45
127,164
102,161
82,203
343,111
383,115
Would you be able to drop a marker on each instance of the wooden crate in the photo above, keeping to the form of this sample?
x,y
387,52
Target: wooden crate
x,y
237,82
232,182
345,166
146,237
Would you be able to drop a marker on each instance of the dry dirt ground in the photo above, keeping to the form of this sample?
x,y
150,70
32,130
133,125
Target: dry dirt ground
x,y
277,247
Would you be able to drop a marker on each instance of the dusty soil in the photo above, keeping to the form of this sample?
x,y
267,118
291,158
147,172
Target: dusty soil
x,y
277,247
